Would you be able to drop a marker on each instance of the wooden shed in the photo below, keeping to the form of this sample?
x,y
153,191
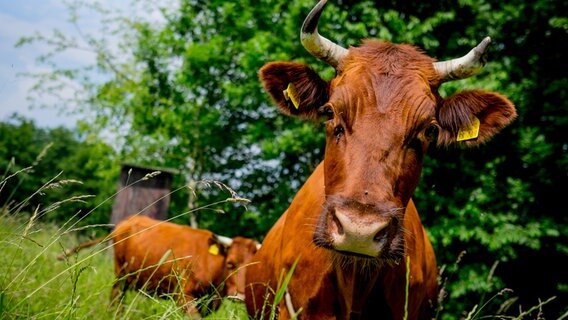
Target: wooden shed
x,y
136,195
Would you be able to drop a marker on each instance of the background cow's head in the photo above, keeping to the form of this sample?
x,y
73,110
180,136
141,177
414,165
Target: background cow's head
x,y
381,111
240,252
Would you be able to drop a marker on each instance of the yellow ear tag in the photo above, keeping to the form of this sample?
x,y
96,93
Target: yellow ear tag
x,y
471,132
292,95
214,249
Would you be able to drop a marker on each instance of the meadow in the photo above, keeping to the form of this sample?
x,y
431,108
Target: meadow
x,y
35,285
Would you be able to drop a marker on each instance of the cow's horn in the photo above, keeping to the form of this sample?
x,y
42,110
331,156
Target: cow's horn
x,y
226,241
318,46
466,66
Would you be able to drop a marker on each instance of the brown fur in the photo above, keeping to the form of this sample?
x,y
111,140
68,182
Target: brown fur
x,y
382,108
165,258
329,286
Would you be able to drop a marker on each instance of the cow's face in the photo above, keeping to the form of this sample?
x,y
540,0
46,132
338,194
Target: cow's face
x,y
379,120
239,254
381,112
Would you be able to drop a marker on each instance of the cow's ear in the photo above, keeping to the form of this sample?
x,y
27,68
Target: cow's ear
x,y
215,247
473,117
295,88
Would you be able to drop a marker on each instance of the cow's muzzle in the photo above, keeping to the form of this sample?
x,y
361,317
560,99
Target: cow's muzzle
x,y
352,227
351,233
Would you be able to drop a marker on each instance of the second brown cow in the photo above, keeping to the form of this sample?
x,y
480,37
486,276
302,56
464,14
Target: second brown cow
x,y
164,258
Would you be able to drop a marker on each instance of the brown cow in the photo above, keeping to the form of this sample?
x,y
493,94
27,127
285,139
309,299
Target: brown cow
x,y
353,227
165,258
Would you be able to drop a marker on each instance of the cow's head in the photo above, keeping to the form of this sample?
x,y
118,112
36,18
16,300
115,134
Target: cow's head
x,y
381,111
239,254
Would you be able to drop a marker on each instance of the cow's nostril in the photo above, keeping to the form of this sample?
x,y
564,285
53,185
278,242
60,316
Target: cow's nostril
x,y
378,236
382,233
337,223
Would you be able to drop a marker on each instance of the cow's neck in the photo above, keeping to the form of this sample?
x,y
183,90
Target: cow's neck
x,y
354,288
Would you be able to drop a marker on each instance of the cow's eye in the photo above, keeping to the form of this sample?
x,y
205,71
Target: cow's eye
x,y
326,111
338,131
230,265
431,132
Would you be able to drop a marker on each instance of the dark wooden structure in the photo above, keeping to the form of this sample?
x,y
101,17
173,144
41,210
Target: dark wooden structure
x,y
136,195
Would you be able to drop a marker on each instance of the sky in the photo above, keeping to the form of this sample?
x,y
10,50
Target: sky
x,y
23,18
19,18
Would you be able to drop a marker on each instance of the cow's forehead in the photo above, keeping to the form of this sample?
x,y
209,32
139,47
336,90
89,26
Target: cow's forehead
x,y
383,77
242,246
389,58
362,92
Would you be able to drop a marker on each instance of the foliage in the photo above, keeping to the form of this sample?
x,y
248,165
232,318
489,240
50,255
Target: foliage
x,y
183,93
68,166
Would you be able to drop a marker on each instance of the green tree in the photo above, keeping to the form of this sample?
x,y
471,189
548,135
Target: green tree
x,y
61,174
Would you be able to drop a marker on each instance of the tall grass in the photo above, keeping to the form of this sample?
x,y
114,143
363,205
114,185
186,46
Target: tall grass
x,y
76,289
35,285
